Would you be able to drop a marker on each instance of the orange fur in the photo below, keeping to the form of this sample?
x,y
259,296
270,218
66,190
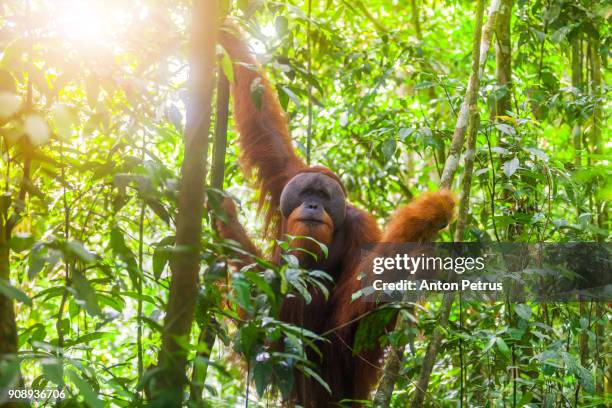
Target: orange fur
x,y
421,220
416,222
266,148
232,229
264,135
321,232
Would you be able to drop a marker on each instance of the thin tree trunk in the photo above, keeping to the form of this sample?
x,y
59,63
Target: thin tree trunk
x,y
432,350
185,263
393,365
206,339
140,284
602,219
220,142
471,94
577,82
9,345
596,91
416,20
469,112
577,77
8,323
468,169
503,57
309,85
8,331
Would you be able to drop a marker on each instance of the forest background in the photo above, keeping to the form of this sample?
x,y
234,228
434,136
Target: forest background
x,y
93,109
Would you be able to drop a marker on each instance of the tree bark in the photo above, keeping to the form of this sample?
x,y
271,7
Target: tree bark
x,y
8,327
207,338
8,324
596,82
467,115
8,331
220,142
577,83
185,263
479,55
468,169
469,112
393,365
602,219
503,57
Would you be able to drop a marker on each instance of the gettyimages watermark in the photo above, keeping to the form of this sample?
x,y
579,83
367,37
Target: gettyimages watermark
x,y
487,272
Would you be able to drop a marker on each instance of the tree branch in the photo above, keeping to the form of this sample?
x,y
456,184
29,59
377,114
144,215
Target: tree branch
x,y
185,263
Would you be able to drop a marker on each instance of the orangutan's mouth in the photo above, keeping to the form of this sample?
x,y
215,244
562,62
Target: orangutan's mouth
x,y
311,220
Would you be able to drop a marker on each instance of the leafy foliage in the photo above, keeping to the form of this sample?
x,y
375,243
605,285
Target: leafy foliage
x,y
92,102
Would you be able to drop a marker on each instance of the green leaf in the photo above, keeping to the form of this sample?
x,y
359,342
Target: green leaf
x,y
227,67
77,249
86,338
371,328
537,153
584,376
550,81
511,166
105,169
53,370
242,292
281,24
405,132
294,277
86,294
125,254
499,149
261,284
506,129
247,338
12,292
257,92
62,120
20,244
292,95
262,373
159,209
388,148
502,347
316,376
285,379
523,310
243,5
424,85
85,390
560,34
525,400
161,256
